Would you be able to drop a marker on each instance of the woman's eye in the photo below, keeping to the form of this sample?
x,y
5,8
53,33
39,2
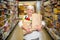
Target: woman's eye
x,y
31,10
28,9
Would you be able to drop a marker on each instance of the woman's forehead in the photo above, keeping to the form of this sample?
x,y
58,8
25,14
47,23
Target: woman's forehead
x,y
30,7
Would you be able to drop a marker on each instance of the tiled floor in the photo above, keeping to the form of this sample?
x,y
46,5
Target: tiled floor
x,y
17,34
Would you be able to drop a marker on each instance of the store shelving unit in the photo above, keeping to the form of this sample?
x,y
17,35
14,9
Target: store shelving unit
x,y
8,15
51,12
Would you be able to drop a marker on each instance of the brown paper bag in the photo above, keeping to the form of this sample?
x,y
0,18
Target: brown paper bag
x,y
26,24
36,20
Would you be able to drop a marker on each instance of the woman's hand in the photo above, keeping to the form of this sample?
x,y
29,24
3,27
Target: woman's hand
x,y
38,27
28,30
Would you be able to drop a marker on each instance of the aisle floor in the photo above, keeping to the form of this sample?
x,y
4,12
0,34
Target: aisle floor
x,y
17,34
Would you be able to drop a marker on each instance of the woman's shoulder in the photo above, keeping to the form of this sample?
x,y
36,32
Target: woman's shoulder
x,y
25,16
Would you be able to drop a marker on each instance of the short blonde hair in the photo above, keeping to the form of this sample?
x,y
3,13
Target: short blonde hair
x,y
30,7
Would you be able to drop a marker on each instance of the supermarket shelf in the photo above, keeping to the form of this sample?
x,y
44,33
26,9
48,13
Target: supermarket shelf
x,y
2,15
8,33
48,19
53,35
1,9
3,20
3,25
7,16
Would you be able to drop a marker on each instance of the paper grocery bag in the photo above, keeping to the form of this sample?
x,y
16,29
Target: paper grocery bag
x,y
26,24
36,19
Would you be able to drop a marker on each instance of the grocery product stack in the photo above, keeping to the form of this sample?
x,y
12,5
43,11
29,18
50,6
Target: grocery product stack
x,y
51,13
8,15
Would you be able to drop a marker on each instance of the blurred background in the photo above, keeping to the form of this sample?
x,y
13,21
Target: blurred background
x,y
10,10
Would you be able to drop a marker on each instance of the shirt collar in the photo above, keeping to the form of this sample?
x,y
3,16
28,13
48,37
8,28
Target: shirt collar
x,y
30,17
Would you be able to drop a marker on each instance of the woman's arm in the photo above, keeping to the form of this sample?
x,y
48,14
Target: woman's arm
x,y
26,29
38,27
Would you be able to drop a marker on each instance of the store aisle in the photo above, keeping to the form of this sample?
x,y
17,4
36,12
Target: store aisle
x,y
45,35
17,34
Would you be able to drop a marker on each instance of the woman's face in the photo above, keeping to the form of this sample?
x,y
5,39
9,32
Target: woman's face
x,y
30,11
